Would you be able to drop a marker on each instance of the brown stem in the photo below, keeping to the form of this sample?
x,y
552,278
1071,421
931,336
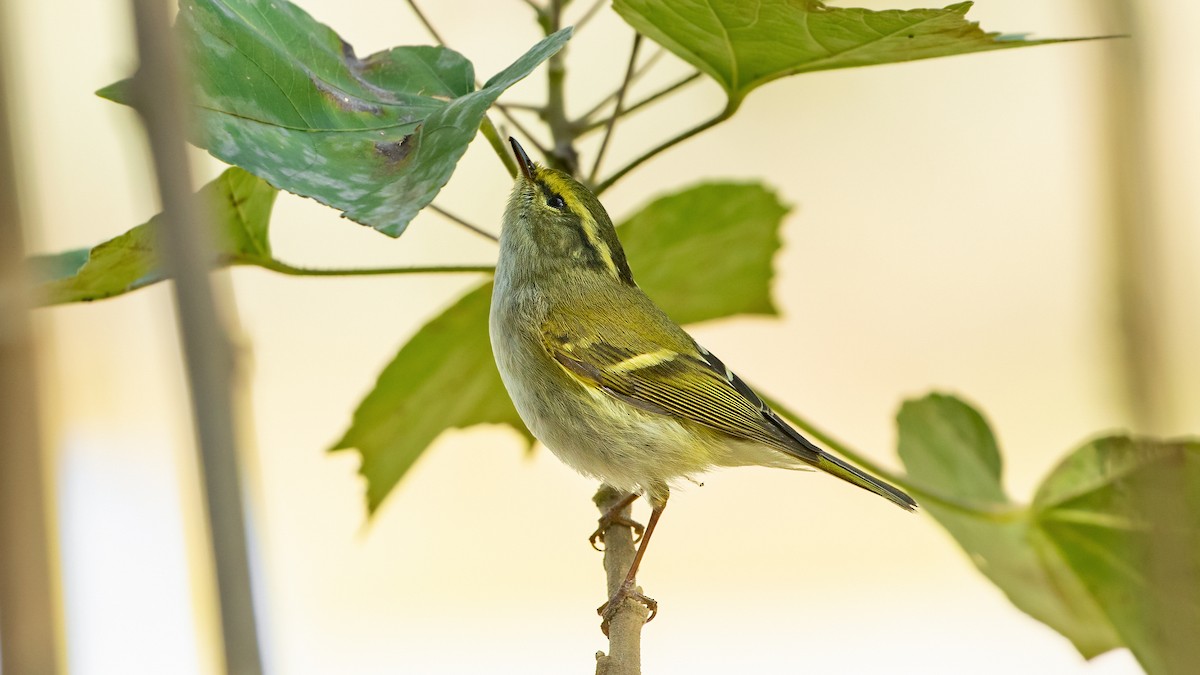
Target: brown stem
x,y
562,155
625,627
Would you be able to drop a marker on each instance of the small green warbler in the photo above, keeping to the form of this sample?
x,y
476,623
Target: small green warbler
x,y
605,379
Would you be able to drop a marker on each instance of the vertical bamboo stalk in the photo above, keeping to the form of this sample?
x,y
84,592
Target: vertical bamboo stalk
x,y
28,612
1137,259
188,255
1135,230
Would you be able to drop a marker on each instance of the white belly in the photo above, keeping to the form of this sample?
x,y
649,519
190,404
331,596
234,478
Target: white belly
x,y
591,432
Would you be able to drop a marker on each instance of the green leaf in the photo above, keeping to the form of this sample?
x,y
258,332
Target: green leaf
x,y
948,448
284,97
240,205
729,230
1125,516
743,45
444,377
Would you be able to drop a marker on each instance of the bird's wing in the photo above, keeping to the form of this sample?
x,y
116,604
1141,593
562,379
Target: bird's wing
x,y
686,382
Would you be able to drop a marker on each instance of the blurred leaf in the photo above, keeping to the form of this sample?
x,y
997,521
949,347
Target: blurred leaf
x,y
50,266
283,96
743,45
240,205
444,377
1125,515
948,447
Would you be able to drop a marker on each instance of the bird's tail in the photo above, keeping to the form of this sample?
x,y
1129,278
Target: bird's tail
x,y
832,465
795,444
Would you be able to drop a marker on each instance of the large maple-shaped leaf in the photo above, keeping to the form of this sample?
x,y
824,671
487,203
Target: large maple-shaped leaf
x,y
947,445
286,98
1108,553
743,44
1124,514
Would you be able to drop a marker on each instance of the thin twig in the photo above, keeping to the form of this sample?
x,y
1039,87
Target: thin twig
x,y
412,4
591,12
612,120
527,107
535,7
637,75
489,131
703,126
474,228
292,270
187,254
625,628
29,615
541,148
487,126
592,126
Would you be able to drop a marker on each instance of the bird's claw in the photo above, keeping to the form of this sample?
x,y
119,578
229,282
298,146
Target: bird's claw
x,y
626,592
610,519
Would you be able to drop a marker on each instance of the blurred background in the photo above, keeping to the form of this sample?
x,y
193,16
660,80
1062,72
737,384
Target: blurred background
x,y
955,227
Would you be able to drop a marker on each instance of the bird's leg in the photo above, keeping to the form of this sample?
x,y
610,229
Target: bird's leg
x,y
613,516
628,587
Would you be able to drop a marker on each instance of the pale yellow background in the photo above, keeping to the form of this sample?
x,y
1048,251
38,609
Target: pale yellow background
x,y
948,233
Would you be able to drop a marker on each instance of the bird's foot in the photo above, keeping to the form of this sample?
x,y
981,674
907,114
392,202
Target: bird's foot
x,y
614,517
626,592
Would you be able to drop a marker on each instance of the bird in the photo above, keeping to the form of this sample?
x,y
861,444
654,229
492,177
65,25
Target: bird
x,y
605,380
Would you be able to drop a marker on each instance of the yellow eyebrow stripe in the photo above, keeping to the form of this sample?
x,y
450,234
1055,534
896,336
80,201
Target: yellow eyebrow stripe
x,y
587,223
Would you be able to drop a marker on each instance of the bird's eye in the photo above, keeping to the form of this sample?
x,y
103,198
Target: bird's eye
x,y
555,201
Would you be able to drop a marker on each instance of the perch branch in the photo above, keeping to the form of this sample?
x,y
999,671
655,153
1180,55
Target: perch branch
x,y
625,629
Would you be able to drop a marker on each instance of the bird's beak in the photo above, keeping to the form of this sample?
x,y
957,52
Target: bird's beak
x,y
523,160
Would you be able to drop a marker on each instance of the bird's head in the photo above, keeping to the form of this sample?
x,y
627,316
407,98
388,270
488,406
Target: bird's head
x,y
555,221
